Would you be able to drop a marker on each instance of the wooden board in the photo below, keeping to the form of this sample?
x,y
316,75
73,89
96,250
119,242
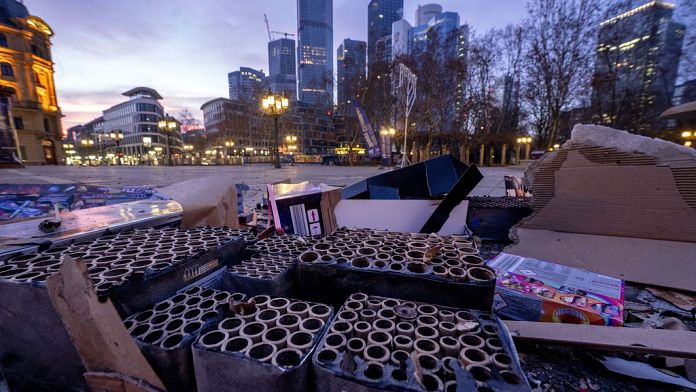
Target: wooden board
x,y
680,344
95,327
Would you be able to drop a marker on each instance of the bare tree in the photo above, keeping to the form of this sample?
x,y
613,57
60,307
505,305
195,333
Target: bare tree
x,y
188,122
510,64
560,57
440,65
481,84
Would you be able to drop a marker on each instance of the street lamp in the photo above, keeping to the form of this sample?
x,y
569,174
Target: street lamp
x,y
275,106
228,145
166,125
527,142
117,136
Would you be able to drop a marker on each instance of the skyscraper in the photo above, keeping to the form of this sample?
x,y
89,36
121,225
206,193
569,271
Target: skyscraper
x,y
350,61
315,51
282,67
245,83
426,12
381,14
636,67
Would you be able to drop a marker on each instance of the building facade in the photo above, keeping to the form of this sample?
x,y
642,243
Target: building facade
x,y
351,69
400,37
137,119
315,51
282,67
245,84
636,67
234,121
685,92
30,129
381,14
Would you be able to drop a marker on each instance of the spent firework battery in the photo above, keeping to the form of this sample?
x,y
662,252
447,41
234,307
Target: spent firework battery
x,y
377,343
415,266
136,269
166,331
266,346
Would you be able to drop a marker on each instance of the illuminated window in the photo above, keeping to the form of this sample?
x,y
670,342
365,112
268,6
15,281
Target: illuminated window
x,y
6,69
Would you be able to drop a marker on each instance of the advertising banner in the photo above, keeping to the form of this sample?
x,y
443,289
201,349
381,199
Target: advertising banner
x,y
368,131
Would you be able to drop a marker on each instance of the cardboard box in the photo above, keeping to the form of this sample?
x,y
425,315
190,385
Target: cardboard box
x,y
533,290
304,209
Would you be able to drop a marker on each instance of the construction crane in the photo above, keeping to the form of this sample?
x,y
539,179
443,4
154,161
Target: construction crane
x,y
270,33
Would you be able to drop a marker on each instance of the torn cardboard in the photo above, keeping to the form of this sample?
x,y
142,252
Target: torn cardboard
x,y
96,329
403,216
654,262
609,182
207,201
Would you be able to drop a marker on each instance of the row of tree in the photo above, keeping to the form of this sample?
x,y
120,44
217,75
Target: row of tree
x,y
507,82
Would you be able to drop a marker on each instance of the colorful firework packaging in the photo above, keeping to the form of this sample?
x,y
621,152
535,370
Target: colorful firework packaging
x,y
534,290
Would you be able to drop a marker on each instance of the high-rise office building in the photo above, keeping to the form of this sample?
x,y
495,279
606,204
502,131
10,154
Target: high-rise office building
x,y
400,37
441,32
636,67
315,51
350,61
426,12
381,14
282,67
245,84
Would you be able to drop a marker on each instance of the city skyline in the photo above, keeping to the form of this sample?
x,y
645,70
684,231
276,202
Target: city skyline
x,y
201,49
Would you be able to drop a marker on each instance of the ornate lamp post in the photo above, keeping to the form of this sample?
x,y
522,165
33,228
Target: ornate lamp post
x,y
275,106
167,125
117,136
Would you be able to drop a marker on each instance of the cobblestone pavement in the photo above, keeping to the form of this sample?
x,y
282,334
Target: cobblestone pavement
x,y
256,176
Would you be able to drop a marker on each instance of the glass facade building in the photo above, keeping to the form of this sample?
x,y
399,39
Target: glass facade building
x,y
381,14
636,67
282,67
315,51
245,83
350,61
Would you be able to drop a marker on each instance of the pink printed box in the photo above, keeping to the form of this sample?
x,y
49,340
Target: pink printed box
x,y
534,290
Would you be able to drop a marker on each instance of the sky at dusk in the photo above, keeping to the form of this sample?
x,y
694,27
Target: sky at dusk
x,y
185,48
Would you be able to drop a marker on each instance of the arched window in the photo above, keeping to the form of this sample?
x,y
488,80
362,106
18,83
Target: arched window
x,y
6,69
3,40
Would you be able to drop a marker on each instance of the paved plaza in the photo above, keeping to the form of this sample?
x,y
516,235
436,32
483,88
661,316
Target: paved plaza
x,y
256,176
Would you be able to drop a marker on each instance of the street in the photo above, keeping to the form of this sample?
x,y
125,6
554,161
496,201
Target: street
x,y
256,176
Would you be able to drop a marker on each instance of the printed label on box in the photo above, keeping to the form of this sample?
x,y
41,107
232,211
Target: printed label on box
x,y
315,228
313,216
536,290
